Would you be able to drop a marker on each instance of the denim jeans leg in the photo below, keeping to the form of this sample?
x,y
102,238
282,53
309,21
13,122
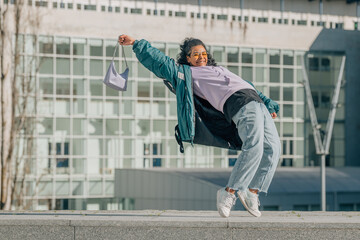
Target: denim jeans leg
x,y
270,158
250,125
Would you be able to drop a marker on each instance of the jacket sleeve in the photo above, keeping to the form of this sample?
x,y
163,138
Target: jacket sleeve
x,y
270,104
157,62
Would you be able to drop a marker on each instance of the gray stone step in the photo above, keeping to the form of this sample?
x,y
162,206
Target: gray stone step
x,y
154,224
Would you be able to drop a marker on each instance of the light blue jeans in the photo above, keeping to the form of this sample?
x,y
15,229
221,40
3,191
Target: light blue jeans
x,y
257,162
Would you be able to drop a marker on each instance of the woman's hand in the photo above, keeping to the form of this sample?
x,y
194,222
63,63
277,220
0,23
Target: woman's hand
x,y
273,115
126,40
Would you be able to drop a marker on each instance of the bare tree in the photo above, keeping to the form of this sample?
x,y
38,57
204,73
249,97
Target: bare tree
x,y
16,94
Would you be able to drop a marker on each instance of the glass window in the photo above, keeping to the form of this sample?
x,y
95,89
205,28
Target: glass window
x,y
79,106
62,46
110,48
96,107
46,85
299,76
260,56
45,106
63,66
78,165
288,76
63,126
95,127
112,127
109,188
300,129
218,53
313,64
300,111
287,110
96,87
62,106
288,129
299,58
173,108
247,74
301,208
95,187
160,46
275,93
78,126
232,54
233,69
127,107
63,86
173,50
79,87
96,47
77,188
142,127
142,71
275,75
346,207
127,127
159,128
79,46
46,44
45,126
95,147
45,188
159,90
46,65
288,94
260,74
96,67
158,109
112,107
111,92
79,66
144,89
78,146
62,188
246,55
288,58
274,57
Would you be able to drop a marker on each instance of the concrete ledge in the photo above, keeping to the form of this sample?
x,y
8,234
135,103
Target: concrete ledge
x,y
152,224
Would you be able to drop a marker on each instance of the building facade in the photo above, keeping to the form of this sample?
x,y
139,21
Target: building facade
x,y
85,130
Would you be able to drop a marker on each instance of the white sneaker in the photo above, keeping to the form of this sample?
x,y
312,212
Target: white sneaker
x,y
225,201
250,201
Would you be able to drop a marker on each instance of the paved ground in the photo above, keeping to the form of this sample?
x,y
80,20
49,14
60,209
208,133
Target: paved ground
x,y
152,224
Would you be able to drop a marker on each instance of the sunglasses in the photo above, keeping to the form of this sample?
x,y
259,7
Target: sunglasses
x,y
197,54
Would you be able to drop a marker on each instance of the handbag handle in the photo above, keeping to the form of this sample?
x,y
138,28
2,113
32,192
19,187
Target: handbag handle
x,y
123,53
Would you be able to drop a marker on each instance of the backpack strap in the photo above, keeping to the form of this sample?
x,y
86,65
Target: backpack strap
x,y
178,139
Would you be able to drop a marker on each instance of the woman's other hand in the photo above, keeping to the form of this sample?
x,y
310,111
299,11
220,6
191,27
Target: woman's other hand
x,y
126,40
273,115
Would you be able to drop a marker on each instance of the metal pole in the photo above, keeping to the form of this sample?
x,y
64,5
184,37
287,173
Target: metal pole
x,y
321,11
334,103
314,122
241,11
358,14
156,11
323,183
199,3
282,3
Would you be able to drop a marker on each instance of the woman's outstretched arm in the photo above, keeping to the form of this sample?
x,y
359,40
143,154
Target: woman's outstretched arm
x,y
152,58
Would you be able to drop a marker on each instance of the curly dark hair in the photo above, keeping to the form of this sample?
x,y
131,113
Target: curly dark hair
x,y
185,49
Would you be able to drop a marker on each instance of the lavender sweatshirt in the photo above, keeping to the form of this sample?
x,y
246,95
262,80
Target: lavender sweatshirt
x,y
216,84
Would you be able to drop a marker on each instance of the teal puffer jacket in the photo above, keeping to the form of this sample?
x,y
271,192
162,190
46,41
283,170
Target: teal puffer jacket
x,y
179,77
